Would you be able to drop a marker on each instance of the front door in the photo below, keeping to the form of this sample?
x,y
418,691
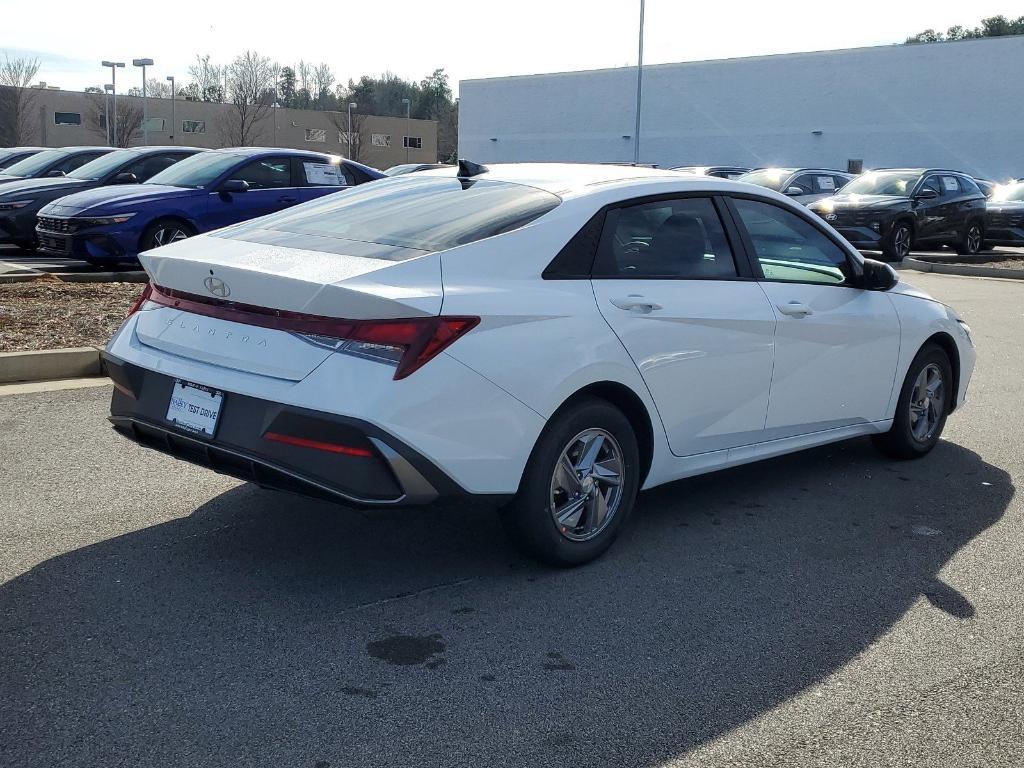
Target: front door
x,y
270,190
836,346
701,335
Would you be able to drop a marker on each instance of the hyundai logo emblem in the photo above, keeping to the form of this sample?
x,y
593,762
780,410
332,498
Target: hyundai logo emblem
x,y
217,287
830,217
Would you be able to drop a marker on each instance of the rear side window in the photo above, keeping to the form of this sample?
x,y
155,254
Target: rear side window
x,y
669,239
789,248
415,214
319,174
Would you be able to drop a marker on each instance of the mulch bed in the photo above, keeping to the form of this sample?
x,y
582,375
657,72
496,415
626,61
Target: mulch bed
x,y
50,314
1004,264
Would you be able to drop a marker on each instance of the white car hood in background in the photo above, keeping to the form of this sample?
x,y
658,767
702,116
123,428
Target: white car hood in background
x,y
296,280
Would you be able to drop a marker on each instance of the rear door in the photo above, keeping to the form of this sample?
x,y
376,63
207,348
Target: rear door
x,y
676,291
836,345
270,190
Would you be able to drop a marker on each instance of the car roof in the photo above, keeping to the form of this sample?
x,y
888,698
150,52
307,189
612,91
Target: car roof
x,y
255,151
24,149
163,148
566,178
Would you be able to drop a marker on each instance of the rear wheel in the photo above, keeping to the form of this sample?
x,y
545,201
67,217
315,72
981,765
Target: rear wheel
x,y
972,240
898,242
579,486
165,232
923,406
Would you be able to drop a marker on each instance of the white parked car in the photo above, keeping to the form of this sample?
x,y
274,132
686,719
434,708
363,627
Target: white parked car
x,y
805,185
555,336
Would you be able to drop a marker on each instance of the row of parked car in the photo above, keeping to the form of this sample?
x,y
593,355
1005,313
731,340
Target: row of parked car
x,y
105,205
894,210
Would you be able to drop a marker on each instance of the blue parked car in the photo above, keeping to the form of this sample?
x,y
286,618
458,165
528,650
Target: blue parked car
x,y
202,193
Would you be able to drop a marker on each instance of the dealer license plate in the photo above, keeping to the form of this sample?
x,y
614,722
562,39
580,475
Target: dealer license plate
x,y
195,408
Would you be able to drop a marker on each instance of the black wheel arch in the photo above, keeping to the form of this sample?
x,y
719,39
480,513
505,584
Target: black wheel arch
x,y
627,401
946,343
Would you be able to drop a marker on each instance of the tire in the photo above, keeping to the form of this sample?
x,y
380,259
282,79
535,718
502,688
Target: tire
x,y
910,437
974,237
594,509
167,230
898,242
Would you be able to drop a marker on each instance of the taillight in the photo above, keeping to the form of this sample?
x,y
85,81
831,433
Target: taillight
x,y
409,343
143,298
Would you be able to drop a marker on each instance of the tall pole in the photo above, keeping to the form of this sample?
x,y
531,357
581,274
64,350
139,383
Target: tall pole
x,y
274,114
106,110
145,112
113,89
408,108
173,123
639,87
351,105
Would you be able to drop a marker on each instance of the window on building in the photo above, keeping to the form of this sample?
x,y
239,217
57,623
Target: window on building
x,y
318,135
380,139
67,118
154,125
413,142
193,126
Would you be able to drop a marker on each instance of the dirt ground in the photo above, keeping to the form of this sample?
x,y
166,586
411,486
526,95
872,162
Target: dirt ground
x,y
50,314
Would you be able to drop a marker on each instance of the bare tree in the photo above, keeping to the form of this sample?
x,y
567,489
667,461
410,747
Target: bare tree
x,y
251,83
323,79
339,120
158,89
17,119
304,76
128,119
207,81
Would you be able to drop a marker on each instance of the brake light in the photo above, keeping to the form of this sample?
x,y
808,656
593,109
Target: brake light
x,y
410,343
317,445
143,298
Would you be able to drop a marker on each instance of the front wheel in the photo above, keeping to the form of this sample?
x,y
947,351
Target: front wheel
x,y
899,241
164,232
923,406
579,486
972,240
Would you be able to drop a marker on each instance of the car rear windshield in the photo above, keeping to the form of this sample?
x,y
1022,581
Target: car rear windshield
x,y
196,171
772,178
36,163
883,183
410,213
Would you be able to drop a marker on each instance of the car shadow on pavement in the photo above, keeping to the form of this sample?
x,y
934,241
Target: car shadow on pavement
x,y
265,629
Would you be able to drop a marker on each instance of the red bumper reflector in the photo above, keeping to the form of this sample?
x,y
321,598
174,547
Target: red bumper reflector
x,y
301,442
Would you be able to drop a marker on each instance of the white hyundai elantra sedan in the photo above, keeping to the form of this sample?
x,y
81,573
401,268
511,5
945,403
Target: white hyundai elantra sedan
x,y
558,337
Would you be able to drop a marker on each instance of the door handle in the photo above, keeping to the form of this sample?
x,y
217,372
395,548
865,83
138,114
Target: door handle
x,y
635,303
795,309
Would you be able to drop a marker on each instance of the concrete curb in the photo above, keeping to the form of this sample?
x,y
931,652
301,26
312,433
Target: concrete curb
x,y
49,364
960,269
78,277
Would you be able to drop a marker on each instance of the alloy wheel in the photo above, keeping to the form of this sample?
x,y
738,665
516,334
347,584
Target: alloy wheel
x,y
927,402
974,239
586,486
168,235
901,241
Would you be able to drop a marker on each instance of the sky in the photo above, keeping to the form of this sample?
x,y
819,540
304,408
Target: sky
x,y
468,38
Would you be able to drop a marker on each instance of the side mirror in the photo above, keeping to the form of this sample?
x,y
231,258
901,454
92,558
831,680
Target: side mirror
x,y
55,174
878,276
125,178
235,185
926,194
795,191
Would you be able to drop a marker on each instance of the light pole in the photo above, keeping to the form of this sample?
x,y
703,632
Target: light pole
x,y
113,88
639,87
170,79
408,107
274,114
106,108
145,113
351,105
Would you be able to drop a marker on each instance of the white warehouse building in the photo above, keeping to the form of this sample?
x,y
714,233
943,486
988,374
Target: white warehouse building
x,y
957,104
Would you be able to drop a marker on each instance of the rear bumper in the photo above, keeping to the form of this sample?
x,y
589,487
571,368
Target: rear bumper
x,y
387,473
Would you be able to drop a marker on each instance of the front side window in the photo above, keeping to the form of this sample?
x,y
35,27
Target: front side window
x,y
934,184
669,239
74,162
268,173
101,166
772,178
405,217
151,165
790,248
804,182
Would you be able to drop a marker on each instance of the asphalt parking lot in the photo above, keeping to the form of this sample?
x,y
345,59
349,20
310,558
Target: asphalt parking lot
x,y
829,608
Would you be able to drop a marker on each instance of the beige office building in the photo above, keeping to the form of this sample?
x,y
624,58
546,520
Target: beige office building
x,y
70,118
